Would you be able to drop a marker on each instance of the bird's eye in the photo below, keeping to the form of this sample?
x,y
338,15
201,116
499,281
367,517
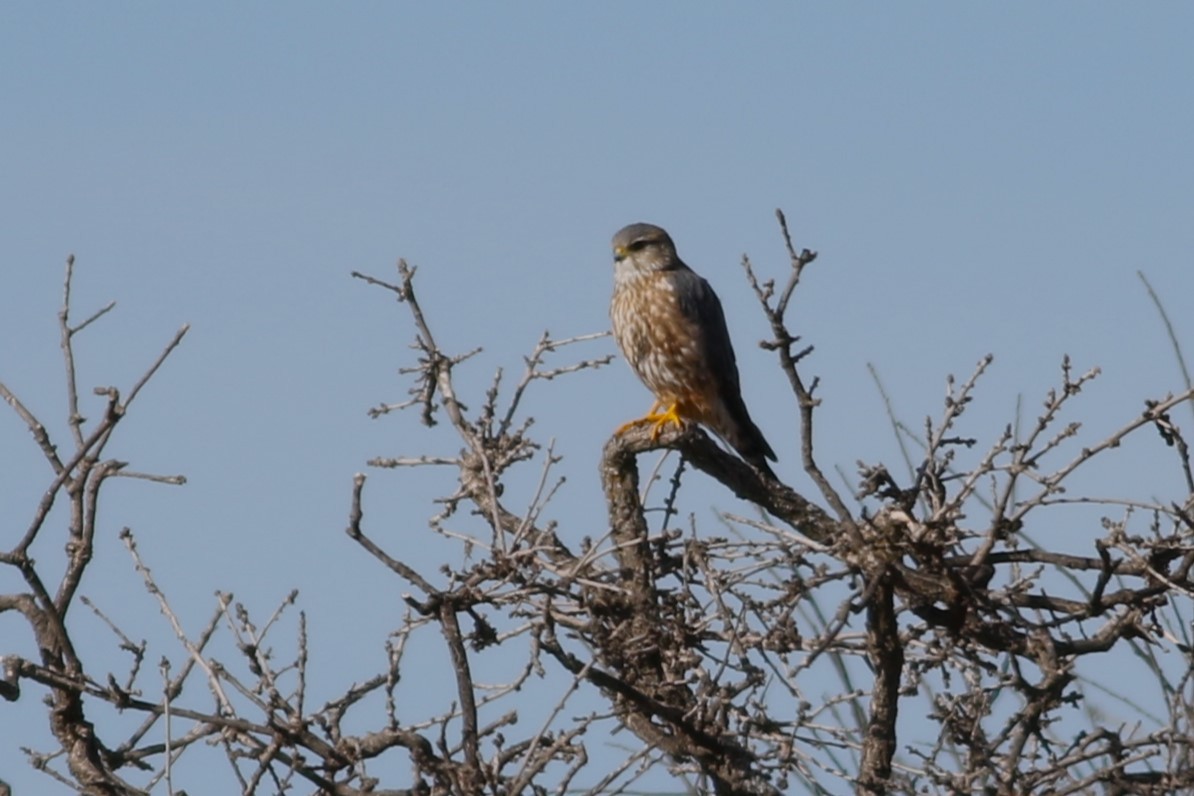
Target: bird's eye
x,y
638,245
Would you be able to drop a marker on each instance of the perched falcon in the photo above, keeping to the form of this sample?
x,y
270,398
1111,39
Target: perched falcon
x,y
671,329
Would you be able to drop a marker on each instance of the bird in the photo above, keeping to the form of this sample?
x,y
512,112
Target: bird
x,y
671,329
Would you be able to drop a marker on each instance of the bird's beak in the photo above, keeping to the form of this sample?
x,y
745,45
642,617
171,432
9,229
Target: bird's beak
x,y
619,253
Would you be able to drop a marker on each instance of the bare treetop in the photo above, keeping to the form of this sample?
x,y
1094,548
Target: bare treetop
x,y
966,650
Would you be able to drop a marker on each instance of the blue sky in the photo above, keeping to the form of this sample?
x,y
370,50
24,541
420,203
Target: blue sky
x,y
976,178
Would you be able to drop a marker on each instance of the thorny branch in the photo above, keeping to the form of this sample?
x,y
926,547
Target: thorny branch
x,y
77,480
711,647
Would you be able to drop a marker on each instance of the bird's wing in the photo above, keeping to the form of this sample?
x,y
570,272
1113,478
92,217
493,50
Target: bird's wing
x,y
700,305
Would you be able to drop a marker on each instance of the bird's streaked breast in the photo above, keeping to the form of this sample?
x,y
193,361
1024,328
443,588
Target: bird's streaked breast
x,y
662,346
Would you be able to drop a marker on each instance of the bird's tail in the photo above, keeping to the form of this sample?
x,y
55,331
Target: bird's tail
x,y
744,437
753,447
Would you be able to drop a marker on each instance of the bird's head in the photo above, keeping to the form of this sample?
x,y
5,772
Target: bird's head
x,y
641,248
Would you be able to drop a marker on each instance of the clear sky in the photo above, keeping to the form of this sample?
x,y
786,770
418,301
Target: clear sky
x,y
976,177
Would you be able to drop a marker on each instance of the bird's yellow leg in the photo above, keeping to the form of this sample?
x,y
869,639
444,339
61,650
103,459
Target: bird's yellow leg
x,y
636,422
656,418
661,420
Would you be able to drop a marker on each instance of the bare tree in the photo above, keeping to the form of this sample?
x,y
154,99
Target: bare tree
x,y
933,594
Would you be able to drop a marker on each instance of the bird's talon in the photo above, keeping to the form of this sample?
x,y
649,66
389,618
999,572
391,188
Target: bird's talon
x,y
622,429
657,420
661,420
